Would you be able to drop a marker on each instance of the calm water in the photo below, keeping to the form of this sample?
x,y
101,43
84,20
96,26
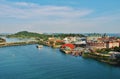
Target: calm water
x,y
17,40
28,62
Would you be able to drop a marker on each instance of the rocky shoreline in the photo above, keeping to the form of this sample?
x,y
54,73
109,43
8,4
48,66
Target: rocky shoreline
x,y
104,59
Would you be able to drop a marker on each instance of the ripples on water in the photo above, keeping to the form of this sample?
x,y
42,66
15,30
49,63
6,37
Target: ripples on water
x,y
28,62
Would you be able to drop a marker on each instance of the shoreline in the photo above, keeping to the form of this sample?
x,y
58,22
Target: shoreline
x,y
103,59
93,56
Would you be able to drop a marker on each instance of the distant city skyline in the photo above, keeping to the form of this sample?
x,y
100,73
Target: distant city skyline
x,y
60,16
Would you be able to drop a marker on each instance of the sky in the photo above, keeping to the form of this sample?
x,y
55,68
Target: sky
x,y
60,16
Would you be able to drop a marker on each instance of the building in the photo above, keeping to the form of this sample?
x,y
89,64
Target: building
x,y
80,42
101,45
112,44
66,40
93,38
70,46
106,39
97,45
69,40
67,48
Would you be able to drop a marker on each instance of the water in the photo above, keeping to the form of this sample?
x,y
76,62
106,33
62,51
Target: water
x,y
8,40
13,40
28,62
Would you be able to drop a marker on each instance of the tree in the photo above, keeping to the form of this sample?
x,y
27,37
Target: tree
x,y
117,49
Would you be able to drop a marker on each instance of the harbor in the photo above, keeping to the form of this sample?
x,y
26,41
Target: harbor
x,y
59,39
101,48
28,62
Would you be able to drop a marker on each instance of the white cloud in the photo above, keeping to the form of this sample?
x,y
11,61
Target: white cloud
x,y
30,10
46,18
25,4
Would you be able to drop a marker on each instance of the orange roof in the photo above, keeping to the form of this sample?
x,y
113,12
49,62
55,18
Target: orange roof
x,y
68,45
59,41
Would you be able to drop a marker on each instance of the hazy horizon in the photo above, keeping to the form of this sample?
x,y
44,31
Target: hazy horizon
x,y
60,32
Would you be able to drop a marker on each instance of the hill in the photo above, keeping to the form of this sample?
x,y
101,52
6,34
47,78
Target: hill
x,y
26,34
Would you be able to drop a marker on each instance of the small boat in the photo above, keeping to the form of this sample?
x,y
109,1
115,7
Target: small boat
x,y
39,46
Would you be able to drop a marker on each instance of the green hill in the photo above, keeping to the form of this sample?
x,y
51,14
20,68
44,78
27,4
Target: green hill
x,y
26,34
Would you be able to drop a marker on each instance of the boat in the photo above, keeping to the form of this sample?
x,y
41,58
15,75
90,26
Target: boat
x,y
39,46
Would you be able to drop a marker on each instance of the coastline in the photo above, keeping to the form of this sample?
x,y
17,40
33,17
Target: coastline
x,y
98,57
104,59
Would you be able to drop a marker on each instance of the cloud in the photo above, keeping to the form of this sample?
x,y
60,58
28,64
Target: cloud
x,y
30,10
24,4
51,18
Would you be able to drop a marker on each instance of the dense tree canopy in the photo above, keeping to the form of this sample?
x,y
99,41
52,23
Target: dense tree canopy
x,y
2,40
26,34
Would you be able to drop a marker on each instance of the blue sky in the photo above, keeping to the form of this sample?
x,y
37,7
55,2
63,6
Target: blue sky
x,y
62,16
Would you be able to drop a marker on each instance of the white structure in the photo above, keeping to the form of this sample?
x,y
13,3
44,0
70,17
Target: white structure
x,y
80,40
66,40
114,55
93,38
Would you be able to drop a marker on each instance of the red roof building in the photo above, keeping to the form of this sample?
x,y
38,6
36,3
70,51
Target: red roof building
x,y
68,45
